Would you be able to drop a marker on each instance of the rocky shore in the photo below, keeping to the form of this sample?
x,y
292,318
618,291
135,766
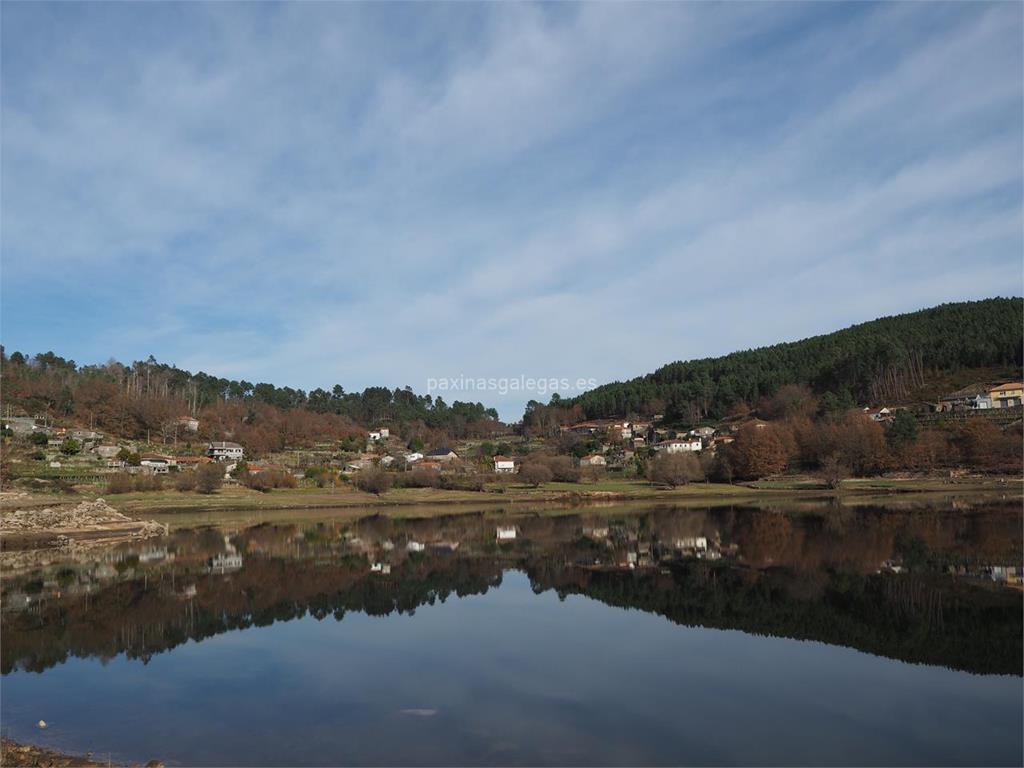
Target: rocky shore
x,y
67,525
14,754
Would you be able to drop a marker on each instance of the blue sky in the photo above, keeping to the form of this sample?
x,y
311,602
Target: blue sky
x,y
316,193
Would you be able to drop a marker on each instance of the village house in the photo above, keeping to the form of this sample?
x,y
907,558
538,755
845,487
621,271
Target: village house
x,y
188,423
879,414
225,451
379,434
593,460
973,397
442,454
505,533
412,458
679,445
702,432
503,464
157,464
1007,395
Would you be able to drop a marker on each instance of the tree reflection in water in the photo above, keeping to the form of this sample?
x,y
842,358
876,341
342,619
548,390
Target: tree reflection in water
x,y
937,586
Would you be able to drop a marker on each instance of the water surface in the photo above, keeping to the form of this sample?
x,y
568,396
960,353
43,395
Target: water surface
x,y
711,637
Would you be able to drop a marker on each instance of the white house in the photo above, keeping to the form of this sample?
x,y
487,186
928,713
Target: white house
x,y
679,445
504,464
973,397
156,464
702,432
379,434
412,458
505,533
223,451
415,546
442,454
593,460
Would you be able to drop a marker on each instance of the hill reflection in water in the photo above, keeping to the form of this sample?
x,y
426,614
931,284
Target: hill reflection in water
x,y
932,586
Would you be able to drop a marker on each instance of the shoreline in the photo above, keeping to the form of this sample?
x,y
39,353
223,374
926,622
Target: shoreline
x,y
22,755
174,509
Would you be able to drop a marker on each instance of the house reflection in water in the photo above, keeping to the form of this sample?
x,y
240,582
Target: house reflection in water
x,y
227,561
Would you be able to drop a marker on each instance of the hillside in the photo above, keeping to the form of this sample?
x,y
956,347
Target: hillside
x,y
888,359
146,399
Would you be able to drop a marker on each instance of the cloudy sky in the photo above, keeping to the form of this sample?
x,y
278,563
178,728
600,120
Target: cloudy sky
x,y
311,194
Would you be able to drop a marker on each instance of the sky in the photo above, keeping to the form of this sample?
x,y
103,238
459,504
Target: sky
x,y
397,194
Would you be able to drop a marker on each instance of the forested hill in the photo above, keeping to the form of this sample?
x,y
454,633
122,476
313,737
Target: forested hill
x,y
881,360
146,398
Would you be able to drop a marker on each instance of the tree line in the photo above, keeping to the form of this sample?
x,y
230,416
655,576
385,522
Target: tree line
x,y
145,399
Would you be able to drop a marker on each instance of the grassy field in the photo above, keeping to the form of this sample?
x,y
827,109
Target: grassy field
x,y
420,502
239,498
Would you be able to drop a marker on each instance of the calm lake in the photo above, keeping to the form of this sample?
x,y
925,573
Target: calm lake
x,y
818,635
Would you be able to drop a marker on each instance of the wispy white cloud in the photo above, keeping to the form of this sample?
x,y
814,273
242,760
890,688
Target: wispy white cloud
x,y
312,193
